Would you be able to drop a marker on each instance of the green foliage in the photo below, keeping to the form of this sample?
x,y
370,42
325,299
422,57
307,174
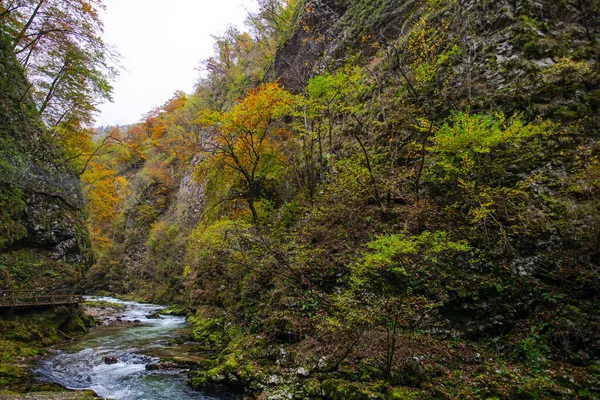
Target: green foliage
x,y
386,267
531,351
218,256
462,144
569,74
473,158
26,268
11,207
370,227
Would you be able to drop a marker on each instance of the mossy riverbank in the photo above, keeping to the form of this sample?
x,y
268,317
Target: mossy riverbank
x,y
254,366
25,335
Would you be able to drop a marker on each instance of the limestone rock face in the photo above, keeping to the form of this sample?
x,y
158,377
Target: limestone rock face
x,y
40,197
530,57
507,63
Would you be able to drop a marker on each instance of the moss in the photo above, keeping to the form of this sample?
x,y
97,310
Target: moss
x,y
12,354
104,303
27,268
367,372
231,369
404,394
210,333
78,323
337,389
11,375
232,360
175,309
47,387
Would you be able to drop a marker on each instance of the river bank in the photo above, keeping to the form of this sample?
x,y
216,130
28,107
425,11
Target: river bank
x,y
32,342
132,353
25,336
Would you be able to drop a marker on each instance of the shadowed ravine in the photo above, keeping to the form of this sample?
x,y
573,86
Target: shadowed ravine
x,y
80,364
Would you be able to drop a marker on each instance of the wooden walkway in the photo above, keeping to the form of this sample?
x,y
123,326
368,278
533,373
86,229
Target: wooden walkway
x,y
20,299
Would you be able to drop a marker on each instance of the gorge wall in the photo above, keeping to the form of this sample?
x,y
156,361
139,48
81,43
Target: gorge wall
x,y
44,233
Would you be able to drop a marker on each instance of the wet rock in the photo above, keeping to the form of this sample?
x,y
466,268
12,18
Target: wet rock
x,y
154,315
164,366
110,360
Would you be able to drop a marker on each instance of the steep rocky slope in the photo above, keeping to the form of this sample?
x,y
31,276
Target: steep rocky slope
x,y
43,232
421,221
44,240
525,288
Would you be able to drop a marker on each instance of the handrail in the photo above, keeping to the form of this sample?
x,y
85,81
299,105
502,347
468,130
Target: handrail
x,y
39,297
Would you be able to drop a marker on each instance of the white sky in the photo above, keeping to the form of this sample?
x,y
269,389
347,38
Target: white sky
x,y
161,43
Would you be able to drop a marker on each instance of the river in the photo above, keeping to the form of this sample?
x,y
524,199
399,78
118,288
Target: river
x,y
80,364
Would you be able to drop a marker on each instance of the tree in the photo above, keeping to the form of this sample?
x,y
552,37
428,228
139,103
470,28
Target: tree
x,y
104,192
245,139
382,282
339,97
470,157
58,43
239,64
275,21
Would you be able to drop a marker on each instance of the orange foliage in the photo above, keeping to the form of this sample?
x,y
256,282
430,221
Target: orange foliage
x,y
245,140
104,191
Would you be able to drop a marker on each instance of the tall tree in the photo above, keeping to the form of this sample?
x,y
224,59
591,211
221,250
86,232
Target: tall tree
x,y
244,140
58,43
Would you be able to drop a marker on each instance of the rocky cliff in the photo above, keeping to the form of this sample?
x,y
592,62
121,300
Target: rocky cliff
x,y
43,233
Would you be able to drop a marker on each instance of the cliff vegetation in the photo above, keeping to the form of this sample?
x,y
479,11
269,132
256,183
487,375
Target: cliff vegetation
x,y
372,199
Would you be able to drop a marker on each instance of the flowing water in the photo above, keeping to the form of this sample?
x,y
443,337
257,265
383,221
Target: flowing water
x,y
80,364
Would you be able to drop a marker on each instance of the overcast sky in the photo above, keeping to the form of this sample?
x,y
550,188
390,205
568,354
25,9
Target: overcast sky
x,y
161,43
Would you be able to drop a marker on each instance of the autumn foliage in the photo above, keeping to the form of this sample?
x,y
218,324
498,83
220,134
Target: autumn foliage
x,y
396,219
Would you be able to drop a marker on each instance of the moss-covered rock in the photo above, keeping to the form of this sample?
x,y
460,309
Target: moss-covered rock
x,y
25,335
40,197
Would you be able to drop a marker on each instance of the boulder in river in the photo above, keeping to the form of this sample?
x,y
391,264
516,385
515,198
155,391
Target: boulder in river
x,y
154,315
160,366
110,360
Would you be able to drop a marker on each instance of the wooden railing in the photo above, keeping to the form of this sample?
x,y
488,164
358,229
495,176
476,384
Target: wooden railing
x,y
37,298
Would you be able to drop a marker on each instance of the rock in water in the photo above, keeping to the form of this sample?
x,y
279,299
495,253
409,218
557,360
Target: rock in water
x,y
159,366
110,360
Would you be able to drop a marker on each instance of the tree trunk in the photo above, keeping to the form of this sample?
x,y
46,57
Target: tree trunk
x,y
27,24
